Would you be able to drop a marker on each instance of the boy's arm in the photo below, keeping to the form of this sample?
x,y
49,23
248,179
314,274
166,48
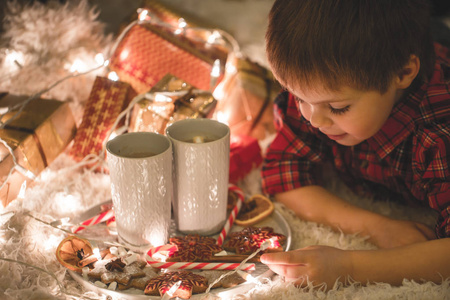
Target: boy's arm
x,y
421,261
428,261
316,204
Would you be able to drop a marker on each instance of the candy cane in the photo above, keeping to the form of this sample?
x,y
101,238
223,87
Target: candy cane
x,y
233,213
166,250
102,217
200,265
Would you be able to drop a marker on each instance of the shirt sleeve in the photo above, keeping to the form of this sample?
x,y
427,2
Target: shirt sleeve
x,y
291,156
432,173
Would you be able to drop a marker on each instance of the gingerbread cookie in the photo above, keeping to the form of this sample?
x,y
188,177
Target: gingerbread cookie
x,y
228,281
190,284
193,248
141,282
115,270
250,239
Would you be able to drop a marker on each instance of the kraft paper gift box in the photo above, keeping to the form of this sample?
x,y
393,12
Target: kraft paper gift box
x,y
171,99
36,136
245,96
106,101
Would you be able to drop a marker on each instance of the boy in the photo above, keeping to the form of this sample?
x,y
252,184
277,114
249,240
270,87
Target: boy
x,y
366,93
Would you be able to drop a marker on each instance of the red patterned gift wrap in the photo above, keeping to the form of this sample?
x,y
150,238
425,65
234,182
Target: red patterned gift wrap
x,y
147,53
197,38
106,101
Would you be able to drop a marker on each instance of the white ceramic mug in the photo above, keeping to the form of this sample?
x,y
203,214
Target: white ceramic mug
x,y
140,165
201,149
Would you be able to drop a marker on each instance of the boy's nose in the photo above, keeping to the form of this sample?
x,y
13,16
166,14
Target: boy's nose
x,y
318,119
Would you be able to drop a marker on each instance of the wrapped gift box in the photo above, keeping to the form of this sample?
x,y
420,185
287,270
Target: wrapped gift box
x,y
171,99
245,155
146,54
151,49
169,15
245,98
36,136
106,101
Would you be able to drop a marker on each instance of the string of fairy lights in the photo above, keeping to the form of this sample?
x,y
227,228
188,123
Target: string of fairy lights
x,y
215,37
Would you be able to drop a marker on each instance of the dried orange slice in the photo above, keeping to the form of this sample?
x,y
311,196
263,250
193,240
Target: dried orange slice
x,y
71,251
254,210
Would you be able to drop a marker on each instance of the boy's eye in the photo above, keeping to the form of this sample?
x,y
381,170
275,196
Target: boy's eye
x,y
339,111
336,111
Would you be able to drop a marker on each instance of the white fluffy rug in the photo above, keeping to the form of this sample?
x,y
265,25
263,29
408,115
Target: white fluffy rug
x,y
47,39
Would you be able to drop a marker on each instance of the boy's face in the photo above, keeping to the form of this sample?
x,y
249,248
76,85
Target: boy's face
x,y
348,116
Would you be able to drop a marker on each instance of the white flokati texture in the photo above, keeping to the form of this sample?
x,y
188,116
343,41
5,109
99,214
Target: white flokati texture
x,y
46,40
49,36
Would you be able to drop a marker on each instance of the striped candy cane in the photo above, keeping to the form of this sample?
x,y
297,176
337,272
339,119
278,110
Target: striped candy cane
x,y
154,258
233,214
102,217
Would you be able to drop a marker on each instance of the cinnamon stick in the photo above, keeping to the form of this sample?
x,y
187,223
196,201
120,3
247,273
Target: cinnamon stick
x,y
92,258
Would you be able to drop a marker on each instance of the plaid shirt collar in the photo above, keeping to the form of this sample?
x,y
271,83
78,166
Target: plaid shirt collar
x,y
406,113
398,126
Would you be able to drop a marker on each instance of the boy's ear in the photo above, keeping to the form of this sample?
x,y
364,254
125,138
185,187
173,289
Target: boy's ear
x,y
408,73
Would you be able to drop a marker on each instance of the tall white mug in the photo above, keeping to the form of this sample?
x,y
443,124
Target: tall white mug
x,y
140,165
201,149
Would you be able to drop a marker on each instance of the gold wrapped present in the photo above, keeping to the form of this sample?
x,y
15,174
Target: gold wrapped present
x,y
36,136
245,97
171,99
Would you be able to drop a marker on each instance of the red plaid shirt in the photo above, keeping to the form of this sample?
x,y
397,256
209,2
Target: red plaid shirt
x,y
409,156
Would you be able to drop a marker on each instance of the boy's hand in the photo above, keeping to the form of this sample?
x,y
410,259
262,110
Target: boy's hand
x,y
320,264
389,233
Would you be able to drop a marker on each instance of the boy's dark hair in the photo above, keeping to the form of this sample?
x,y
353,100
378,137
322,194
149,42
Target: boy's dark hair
x,y
358,43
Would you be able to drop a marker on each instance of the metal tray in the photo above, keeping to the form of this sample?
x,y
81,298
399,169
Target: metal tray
x,y
276,221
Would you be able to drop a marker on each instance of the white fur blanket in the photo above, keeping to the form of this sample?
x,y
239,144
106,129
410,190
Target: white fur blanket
x,y
46,39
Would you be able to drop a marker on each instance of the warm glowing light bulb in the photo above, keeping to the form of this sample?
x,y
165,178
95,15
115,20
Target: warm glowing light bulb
x,y
51,242
113,76
219,91
96,253
222,117
124,54
14,58
162,98
269,243
248,277
181,23
172,290
143,15
112,135
23,188
78,66
231,68
25,172
215,72
213,37
181,26
99,59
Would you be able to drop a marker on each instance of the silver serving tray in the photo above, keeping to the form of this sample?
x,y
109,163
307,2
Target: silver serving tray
x,y
276,221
